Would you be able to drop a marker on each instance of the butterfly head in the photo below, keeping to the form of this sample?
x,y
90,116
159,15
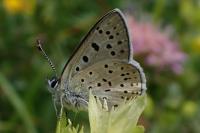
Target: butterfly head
x,y
53,84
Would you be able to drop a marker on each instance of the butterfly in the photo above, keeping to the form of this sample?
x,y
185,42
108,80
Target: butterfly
x,y
102,63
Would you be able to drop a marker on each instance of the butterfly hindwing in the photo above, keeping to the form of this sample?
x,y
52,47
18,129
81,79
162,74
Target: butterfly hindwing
x,y
113,80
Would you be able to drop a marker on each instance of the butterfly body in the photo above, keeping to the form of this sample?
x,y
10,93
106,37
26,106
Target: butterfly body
x,y
104,64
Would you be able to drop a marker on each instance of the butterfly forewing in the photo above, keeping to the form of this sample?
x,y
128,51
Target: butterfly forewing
x,y
108,39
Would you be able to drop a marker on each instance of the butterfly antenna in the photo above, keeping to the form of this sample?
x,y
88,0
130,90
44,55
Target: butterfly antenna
x,y
39,46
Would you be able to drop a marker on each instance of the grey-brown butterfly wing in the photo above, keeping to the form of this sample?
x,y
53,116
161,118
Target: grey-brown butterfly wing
x,y
107,43
112,79
108,39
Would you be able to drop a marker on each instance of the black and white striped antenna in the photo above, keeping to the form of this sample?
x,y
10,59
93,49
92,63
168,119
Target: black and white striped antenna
x,y
39,46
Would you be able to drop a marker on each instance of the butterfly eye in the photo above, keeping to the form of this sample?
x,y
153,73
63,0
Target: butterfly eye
x,y
53,83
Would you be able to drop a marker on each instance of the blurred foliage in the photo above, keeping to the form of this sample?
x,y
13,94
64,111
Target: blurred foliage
x,y
173,103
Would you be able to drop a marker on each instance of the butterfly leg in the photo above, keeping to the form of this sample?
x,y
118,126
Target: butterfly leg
x,y
59,110
58,107
55,106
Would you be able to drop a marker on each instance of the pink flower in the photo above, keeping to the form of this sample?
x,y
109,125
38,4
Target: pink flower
x,y
157,48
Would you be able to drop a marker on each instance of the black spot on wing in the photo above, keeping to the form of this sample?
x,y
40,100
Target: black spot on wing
x,y
122,74
107,32
111,37
77,68
119,42
104,80
100,31
108,46
122,51
98,84
125,91
110,71
85,59
109,83
112,53
95,46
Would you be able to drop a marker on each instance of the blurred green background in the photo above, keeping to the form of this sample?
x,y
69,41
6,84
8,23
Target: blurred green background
x,y
166,41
